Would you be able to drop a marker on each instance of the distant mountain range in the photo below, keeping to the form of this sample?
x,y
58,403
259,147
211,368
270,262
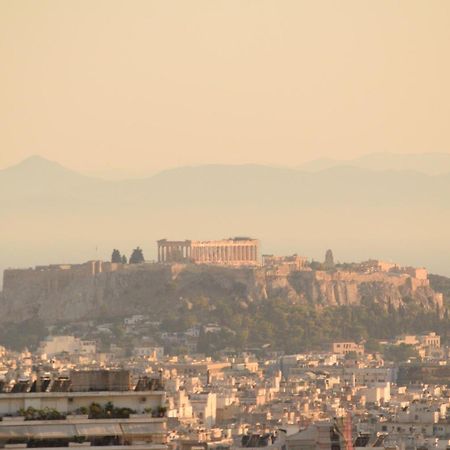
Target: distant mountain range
x,y
377,206
428,163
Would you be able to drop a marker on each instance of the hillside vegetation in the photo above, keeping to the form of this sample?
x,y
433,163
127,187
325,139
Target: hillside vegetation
x,y
250,309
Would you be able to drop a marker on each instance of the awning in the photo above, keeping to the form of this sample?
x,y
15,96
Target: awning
x,y
13,431
100,429
141,429
37,432
52,431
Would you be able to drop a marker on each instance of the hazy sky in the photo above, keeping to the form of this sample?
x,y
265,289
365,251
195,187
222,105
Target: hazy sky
x,y
145,85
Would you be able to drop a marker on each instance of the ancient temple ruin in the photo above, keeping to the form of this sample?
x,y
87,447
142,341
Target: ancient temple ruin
x,y
236,251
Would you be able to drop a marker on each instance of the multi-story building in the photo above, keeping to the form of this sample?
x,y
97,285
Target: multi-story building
x,y
53,345
343,348
51,413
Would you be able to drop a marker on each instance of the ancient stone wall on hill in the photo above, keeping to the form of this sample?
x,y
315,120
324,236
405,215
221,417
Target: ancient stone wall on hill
x,y
72,295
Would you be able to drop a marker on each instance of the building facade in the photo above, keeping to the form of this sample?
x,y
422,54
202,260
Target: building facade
x,y
343,348
234,251
53,345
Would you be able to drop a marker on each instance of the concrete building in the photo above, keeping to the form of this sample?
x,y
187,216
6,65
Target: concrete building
x,y
343,348
204,407
150,352
143,433
431,340
100,380
71,402
322,435
49,413
54,345
377,393
425,344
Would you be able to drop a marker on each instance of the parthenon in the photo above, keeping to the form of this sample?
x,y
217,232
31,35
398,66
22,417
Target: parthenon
x,y
234,251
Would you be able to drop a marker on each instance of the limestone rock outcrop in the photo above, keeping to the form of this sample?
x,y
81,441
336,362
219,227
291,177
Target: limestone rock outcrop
x,y
56,296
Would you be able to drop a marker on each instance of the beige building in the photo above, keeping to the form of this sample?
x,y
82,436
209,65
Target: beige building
x,y
343,348
145,432
204,406
375,265
52,413
378,392
70,402
425,344
283,265
236,251
53,345
321,435
431,340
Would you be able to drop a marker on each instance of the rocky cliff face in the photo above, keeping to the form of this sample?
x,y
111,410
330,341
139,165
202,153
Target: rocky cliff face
x,y
349,288
62,296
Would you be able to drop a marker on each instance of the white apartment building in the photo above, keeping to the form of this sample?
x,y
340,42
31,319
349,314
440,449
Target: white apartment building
x,y
53,345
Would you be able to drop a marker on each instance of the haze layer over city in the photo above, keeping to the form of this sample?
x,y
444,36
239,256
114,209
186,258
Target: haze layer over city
x,y
224,224
158,89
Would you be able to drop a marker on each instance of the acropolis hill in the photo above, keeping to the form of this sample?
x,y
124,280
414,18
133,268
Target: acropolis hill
x,y
61,293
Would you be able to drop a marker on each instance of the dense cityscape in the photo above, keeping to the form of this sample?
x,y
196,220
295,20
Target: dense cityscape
x,y
224,225
133,380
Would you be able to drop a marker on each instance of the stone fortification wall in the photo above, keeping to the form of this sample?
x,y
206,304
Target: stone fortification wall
x,y
55,276
86,291
58,296
395,279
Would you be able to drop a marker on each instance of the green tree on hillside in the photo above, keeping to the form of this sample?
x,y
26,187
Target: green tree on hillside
x,y
399,353
116,257
137,257
329,260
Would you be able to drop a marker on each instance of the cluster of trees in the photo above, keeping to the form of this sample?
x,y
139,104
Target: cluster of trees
x,y
137,256
18,336
400,353
282,325
328,264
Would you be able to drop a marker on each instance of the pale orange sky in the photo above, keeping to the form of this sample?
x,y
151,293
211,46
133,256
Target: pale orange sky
x,y
145,85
